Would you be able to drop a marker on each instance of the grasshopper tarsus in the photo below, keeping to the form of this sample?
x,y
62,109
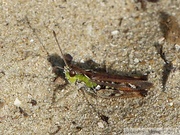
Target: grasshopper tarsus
x,y
104,118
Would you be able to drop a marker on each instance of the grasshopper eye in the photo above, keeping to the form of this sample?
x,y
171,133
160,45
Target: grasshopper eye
x,y
72,73
68,58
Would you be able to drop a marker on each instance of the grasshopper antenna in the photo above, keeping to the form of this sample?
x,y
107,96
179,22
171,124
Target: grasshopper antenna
x,y
60,48
34,31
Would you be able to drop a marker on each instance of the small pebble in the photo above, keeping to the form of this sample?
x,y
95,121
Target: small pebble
x,y
17,102
100,125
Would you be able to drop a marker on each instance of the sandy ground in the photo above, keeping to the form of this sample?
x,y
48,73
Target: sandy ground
x,y
121,35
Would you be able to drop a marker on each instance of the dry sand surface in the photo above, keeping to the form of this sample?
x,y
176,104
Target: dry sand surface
x,y
125,36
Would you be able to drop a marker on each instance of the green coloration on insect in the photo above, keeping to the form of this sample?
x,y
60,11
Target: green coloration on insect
x,y
80,78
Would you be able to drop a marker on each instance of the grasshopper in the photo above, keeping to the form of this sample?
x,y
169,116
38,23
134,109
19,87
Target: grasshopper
x,y
104,85
100,84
